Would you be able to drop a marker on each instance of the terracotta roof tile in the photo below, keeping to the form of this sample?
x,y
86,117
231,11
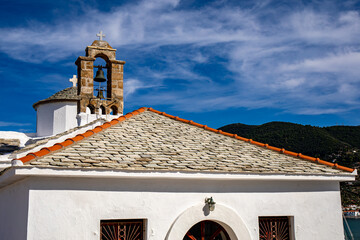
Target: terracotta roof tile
x,y
148,142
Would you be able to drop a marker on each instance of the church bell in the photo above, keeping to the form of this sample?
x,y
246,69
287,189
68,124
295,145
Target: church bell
x,y
100,94
100,76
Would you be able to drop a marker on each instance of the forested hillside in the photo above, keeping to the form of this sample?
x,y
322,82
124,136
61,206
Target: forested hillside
x,y
337,144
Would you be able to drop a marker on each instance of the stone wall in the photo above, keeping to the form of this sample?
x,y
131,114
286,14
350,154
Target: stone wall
x,y
115,68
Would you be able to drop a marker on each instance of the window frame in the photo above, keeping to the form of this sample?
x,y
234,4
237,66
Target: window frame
x,y
290,224
118,222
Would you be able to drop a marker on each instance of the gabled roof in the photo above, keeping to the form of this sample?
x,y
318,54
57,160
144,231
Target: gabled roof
x,y
146,139
67,94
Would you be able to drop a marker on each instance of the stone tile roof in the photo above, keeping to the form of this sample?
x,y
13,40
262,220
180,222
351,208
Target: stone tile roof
x,y
38,142
9,145
149,140
66,94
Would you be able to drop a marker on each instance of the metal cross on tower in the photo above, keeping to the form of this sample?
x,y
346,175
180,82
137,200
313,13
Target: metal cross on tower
x,y
100,35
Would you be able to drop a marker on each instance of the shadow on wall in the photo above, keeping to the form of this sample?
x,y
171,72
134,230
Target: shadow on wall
x,y
183,185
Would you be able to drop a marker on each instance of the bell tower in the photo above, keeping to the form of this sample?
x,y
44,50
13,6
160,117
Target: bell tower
x,y
109,101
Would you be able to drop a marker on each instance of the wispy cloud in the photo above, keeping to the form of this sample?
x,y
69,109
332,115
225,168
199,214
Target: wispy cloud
x,y
344,63
296,59
132,85
13,124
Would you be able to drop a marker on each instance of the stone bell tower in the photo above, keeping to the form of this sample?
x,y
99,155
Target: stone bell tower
x,y
113,99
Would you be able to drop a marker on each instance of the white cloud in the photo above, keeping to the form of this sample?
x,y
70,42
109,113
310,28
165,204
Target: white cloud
x,y
304,61
13,124
154,23
132,85
345,63
293,83
324,27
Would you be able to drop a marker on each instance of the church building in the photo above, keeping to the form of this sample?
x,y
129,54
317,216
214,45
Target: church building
x,y
93,172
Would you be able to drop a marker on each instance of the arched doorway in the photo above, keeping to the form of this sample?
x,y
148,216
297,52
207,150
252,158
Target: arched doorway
x,y
206,230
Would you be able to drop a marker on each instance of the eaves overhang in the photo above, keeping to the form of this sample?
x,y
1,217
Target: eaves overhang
x,y
16,173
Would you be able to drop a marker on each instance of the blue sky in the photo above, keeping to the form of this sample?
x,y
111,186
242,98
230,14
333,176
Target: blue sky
x,y
215,62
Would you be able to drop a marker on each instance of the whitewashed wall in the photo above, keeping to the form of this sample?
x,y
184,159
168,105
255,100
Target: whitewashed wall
x,y
14,201
71,208
58,117
55,117
86,118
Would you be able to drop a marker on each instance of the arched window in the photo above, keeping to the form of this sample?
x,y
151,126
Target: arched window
x,y
114,110
102,110
90,109
207,230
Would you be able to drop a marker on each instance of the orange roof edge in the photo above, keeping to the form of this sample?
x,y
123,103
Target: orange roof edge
x,y
80,137
280,150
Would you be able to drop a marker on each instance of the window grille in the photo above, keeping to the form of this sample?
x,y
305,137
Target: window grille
x,y
274,228
206,230
122,230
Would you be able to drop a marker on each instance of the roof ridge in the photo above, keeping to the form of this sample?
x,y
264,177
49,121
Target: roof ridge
x,y
57,146
280,150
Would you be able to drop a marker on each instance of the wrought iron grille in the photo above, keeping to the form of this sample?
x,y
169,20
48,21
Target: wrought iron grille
x,y
274,228
206,230
122,230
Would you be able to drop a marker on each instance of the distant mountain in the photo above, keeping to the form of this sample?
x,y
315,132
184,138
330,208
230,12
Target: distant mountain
x,y
340,144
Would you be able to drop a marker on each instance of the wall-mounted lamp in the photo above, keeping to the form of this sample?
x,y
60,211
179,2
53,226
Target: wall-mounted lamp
x,y
210,202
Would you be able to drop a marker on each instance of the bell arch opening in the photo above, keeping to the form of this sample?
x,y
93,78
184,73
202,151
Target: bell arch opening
x,y
103,56
100,77
114,110
207,230
102,110
90,109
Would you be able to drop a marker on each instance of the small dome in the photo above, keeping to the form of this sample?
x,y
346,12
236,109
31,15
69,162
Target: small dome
x,y
67,94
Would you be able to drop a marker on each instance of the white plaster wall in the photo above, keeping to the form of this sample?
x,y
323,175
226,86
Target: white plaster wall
x,y
44,120
65,117
72,208
55,117
86,118
14,211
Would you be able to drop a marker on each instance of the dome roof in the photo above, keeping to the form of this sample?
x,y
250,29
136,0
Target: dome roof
x,y
67,94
